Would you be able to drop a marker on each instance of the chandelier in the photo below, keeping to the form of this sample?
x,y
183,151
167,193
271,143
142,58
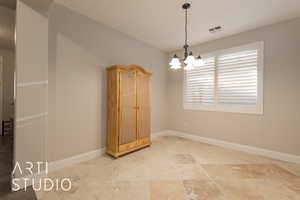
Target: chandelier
x,y
189,61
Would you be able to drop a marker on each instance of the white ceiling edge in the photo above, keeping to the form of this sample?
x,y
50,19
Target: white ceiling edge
x,y
163,26
224,36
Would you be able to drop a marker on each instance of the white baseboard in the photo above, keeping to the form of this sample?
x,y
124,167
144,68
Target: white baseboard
x,y
60,164
245,148
156,135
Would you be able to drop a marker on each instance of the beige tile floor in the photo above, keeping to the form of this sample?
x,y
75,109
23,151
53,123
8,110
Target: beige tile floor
x,y
178,169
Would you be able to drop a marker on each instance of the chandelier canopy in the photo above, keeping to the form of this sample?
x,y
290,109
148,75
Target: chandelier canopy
x,y
189,61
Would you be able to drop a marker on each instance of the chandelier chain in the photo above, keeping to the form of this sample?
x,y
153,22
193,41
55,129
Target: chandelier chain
x,y
189,61
186,27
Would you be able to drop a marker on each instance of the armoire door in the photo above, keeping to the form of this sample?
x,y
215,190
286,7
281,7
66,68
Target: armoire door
x,y
143,103
128,114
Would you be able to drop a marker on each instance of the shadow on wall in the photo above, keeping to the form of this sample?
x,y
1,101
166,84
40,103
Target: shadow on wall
x,y
98,39
77,113
38,5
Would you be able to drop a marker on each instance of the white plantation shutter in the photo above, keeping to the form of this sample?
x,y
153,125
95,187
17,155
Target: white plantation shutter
x,y
200,84
230,81
237,78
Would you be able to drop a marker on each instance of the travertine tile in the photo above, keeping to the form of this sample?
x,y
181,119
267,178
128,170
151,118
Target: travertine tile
x,y
248,171
184,159
165,171
174,168
21,194
202,190
192,172
127,190
132,172
169,190
132,190
219,155
294,185
256,190
292,167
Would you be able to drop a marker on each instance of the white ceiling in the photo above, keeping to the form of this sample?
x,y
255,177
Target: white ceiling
x,y
160,23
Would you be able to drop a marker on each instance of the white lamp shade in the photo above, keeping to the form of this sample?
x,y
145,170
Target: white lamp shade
x,y
175,61
199,62
176,66
190,60
189,67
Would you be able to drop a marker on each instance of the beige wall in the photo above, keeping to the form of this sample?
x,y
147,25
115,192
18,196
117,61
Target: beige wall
x,y
8,82
79,51
278,128
32,88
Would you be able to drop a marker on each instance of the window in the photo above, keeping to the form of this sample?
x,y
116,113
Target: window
x,y
230,81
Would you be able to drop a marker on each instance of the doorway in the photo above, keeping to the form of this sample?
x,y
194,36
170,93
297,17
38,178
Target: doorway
x,y
7,69
6,117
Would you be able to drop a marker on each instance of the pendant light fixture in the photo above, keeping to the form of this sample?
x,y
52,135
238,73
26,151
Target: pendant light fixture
x,y
189,61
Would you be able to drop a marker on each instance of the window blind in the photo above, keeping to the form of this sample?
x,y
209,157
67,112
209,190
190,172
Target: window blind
x,y
230,81
237,78
200,84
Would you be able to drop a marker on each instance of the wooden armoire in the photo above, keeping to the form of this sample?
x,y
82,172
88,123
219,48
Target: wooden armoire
x,y
129,109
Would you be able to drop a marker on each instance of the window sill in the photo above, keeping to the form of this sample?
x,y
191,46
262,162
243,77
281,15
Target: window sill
x,y
257,110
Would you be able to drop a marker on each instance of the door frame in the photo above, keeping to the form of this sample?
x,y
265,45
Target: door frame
x,y
1,90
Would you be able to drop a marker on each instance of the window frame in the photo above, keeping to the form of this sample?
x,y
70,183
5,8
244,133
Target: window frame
x,y
248,109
